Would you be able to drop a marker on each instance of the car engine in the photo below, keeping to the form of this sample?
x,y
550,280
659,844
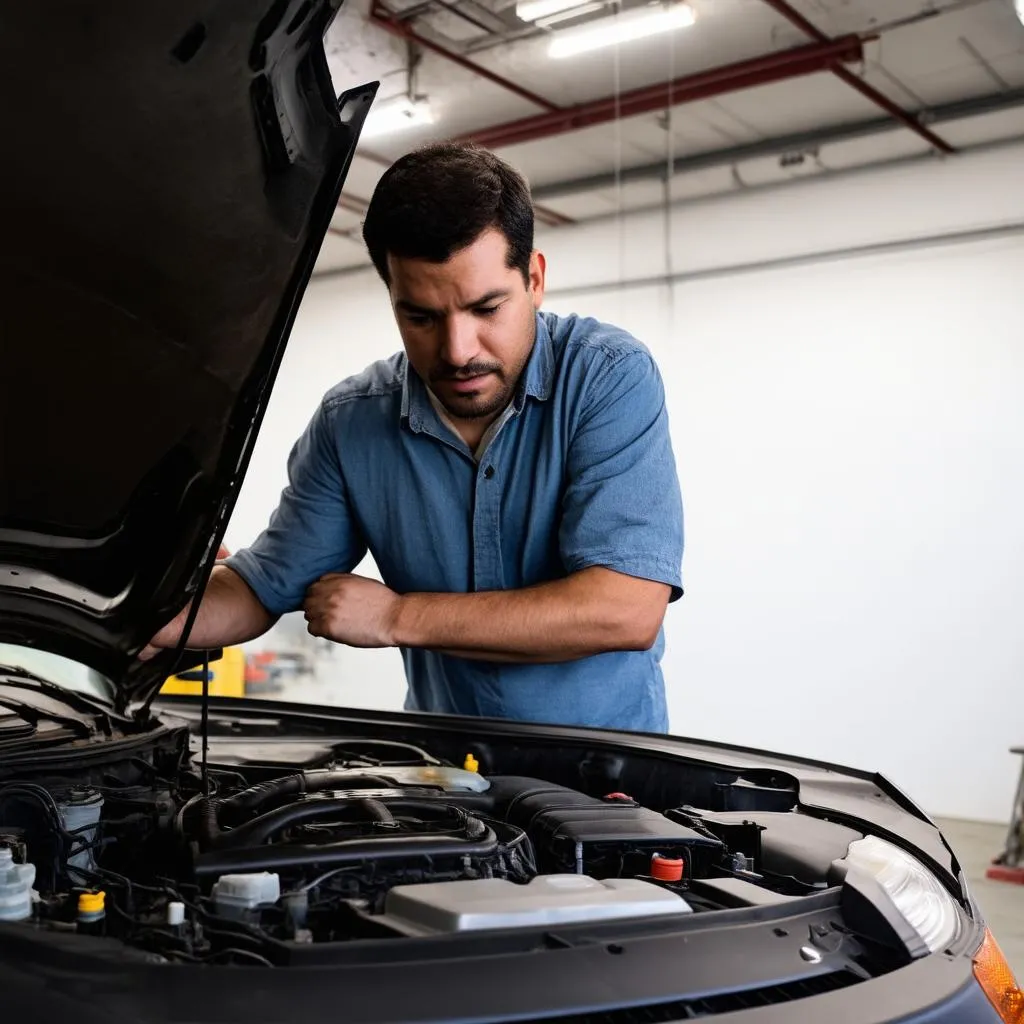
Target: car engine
x,y
248,864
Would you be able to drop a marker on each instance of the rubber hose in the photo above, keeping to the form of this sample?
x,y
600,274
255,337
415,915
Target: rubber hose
x,y
377,811
260,829
254,796
209,829
295,785
276,858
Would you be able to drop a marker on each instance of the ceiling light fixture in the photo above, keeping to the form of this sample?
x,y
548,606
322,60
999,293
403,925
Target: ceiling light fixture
x,y
577,12
532,10
622,29
1019,8
394,117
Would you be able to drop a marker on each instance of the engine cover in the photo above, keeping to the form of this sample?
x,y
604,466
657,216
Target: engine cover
x,y
546,900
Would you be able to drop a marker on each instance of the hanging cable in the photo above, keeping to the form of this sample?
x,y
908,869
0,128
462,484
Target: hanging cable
x,y
619,202
667,187
205,722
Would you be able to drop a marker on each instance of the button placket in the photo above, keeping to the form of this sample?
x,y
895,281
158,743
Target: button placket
x,y
487,568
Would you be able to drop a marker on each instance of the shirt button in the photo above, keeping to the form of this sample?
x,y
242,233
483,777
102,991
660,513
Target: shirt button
x,y
488,472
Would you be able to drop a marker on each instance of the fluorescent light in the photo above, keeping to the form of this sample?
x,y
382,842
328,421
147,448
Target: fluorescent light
x,y
621,29
531,10
1019,7
576,12
394,117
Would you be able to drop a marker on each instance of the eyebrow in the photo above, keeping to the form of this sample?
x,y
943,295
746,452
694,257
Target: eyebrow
x,y
411,307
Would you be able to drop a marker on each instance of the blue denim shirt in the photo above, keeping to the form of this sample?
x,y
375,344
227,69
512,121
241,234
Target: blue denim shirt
x,y
581,474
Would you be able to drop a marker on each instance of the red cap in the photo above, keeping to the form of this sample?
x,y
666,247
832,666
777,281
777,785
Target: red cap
x,y
667,869
619,796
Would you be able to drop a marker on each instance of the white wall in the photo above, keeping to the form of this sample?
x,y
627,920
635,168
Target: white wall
x,y
850,439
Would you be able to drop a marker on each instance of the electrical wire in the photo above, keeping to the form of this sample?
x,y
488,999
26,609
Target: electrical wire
x,y
179,818
234,951
323,878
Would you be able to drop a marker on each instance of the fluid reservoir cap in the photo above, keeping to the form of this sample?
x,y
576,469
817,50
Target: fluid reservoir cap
x,y
91,902
175,913
471,764
666,869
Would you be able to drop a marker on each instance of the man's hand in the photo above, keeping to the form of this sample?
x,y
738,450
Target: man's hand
x,y
590,612
352,610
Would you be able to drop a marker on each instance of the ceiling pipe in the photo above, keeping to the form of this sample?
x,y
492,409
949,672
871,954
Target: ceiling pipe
x,y
794,17
746,74
800,142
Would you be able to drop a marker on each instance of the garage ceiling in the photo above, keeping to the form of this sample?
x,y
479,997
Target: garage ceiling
x,y
756,92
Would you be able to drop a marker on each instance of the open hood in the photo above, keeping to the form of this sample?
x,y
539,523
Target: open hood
x,y
171,174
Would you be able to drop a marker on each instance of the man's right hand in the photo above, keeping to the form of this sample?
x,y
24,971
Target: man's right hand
x,y
168,637
230,613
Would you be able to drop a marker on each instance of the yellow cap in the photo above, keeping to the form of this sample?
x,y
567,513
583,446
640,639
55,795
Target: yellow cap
x,y
91,902
471,764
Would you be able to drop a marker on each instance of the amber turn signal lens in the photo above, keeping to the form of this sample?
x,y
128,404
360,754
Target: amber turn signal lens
x,y
997,980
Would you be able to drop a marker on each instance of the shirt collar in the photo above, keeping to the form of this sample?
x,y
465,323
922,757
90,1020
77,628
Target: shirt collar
x,y
539,374
536,382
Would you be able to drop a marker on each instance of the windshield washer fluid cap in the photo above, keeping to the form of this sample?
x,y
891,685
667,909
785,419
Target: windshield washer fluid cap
x,y
478,904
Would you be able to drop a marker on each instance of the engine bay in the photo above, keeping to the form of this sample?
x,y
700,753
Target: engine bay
x,y
251,861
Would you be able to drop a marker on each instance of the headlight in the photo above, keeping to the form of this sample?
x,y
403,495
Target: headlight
x,y
915,892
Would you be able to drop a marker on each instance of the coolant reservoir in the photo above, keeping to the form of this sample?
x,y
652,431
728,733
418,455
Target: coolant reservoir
x,y
80,813
451,780
15,888
237,895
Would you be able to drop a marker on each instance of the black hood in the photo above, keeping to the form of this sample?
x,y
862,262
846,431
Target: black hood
x,y
170,171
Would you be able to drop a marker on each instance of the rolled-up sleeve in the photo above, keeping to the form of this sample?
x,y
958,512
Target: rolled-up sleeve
x,y
622,507
311,532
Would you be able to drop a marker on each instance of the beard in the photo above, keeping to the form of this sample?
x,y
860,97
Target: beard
x,y
497,386
496,391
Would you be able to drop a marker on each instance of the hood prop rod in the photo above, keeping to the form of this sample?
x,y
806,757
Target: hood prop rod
x,y
204,727
190,619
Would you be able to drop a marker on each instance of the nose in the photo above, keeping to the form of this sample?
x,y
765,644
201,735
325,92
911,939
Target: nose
x,y
459,345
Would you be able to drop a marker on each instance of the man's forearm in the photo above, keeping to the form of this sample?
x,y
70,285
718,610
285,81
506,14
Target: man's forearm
x,y
591,612
229,613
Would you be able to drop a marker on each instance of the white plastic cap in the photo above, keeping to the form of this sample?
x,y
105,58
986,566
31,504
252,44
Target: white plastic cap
x,y
175,913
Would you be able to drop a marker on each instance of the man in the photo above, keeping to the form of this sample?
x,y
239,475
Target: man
x,y
511,473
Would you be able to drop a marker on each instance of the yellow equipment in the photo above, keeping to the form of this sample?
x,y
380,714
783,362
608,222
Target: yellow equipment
x,y
227,677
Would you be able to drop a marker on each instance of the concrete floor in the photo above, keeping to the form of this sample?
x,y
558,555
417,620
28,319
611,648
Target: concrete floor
x,y
1002,904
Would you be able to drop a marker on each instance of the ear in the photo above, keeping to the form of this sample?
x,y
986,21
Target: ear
x,y
538,269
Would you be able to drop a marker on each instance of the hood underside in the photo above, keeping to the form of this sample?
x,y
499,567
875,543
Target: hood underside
x,y
171,176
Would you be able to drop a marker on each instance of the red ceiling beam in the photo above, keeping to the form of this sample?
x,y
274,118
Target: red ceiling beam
x,y
358,205
390,22
552,218
905,118
353,204
775,67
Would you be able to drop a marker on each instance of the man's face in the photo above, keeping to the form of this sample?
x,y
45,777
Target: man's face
x,y
468,324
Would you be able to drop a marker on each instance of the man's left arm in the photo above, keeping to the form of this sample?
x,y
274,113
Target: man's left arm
x,y
620,540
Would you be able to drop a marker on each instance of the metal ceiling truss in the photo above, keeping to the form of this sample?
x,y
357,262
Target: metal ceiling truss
x,y
823,53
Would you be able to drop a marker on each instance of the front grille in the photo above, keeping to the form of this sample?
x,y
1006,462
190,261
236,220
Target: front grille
x,y
695,1009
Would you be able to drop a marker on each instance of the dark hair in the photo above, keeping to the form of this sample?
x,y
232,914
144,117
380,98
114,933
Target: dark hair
x,y
435,201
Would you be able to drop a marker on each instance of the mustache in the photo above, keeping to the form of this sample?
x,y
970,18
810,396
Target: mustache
x,y
467,372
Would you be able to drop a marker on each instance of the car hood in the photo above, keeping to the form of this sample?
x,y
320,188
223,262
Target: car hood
x,y
172,174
